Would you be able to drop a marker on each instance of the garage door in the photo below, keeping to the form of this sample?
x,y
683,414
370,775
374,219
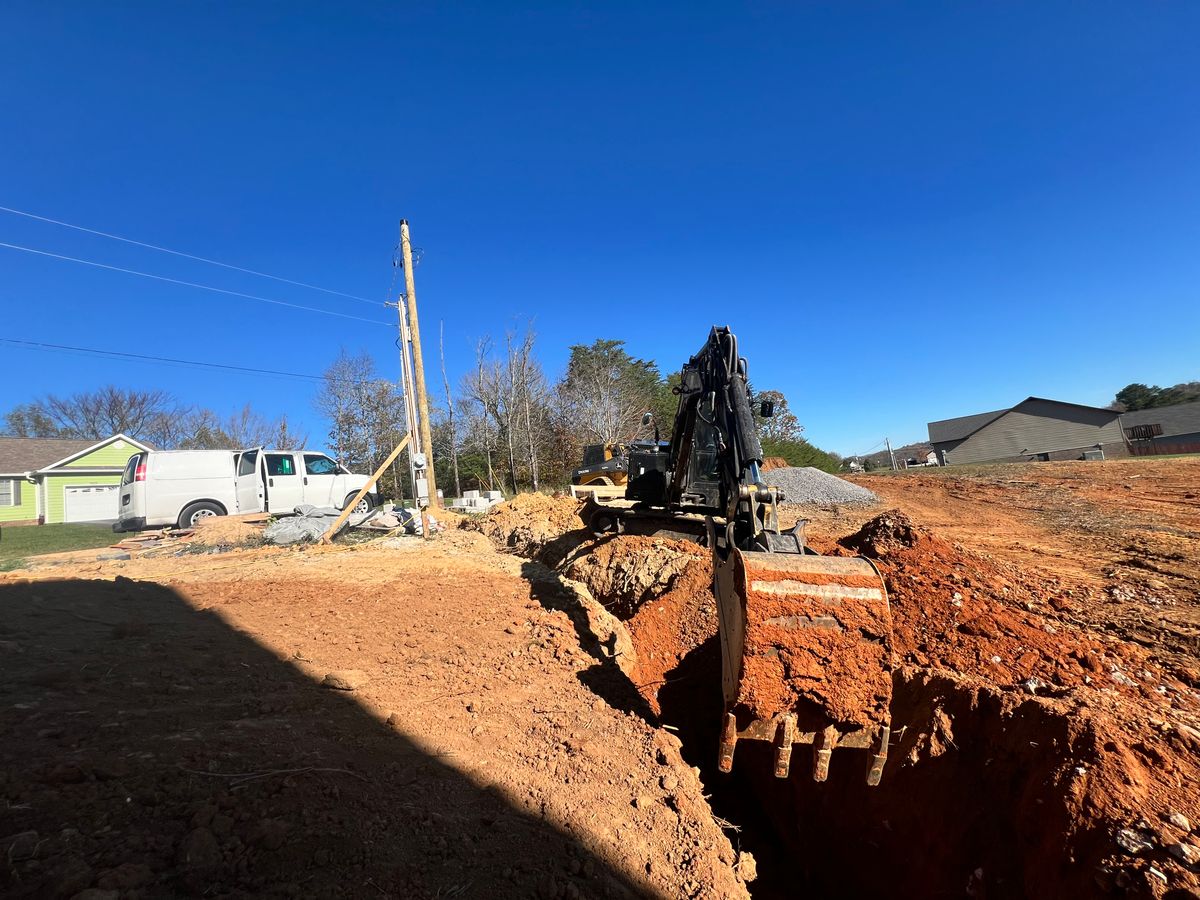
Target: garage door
x,y
90,502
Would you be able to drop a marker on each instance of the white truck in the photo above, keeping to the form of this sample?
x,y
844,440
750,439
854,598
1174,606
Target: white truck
x,y
180,487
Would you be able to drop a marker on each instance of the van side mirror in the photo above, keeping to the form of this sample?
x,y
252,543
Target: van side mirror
x,y
767,409
647,418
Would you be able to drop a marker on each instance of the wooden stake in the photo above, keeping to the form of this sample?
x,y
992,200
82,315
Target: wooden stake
x,y
341,520
426,427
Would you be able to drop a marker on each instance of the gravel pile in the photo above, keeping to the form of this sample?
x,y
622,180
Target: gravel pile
x,y
808,485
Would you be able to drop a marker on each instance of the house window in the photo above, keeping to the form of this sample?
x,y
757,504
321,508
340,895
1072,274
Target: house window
x,y
10,492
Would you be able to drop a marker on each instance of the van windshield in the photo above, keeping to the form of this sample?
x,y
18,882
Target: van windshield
x,y
130,469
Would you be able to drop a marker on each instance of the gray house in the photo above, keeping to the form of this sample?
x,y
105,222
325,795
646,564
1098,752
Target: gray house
x,y
1166,429
1034,429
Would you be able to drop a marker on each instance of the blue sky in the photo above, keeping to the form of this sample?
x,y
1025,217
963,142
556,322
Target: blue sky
x,y
905,211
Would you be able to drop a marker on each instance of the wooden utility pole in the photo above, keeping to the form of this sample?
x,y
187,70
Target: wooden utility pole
x,y
410,296
891,455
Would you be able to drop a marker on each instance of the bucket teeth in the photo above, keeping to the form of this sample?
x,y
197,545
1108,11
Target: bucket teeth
x,y
729,736
783,746
824,750
875,773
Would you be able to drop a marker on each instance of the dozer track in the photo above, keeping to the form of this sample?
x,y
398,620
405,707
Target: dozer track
x,y
806,651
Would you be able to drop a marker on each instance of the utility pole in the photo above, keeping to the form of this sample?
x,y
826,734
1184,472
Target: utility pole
x,y
410,296
891,455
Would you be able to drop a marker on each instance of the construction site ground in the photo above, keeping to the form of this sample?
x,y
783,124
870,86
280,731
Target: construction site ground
x,y
517,709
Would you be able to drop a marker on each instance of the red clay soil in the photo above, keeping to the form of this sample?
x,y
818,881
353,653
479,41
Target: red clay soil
x,y
973,615
840,672
166,733
1030,757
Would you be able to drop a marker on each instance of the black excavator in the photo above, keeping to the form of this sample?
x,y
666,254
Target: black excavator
x,y
806,640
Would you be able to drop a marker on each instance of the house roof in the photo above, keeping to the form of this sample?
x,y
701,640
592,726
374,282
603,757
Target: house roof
x,y
20,455
31,454
965,426
957,429
1182,418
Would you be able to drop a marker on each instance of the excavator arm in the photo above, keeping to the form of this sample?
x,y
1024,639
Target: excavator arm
x,y
805,639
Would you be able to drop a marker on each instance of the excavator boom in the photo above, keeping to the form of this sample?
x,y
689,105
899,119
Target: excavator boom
x,y
806,640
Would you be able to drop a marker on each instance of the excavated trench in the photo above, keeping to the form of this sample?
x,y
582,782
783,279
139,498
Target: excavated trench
x,y
1020,765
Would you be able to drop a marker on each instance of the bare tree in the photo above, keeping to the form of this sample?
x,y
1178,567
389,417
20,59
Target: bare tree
x,y
453,430
482,388
366,414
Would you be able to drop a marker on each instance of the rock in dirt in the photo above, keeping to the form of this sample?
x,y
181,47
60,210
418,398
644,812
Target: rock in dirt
x,y
746,867
1180,821
1187,854
1133,842
345,680
21,846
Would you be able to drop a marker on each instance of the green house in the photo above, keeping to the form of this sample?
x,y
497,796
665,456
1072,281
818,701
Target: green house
x,y
51,480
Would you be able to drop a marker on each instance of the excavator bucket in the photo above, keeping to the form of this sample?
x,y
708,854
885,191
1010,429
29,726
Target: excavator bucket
x,y
806,648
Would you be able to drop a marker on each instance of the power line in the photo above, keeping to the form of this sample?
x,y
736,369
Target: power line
x,y
120,354
163,360
203,259
203,287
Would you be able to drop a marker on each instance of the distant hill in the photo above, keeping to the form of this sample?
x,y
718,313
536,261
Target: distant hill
x,y
917,451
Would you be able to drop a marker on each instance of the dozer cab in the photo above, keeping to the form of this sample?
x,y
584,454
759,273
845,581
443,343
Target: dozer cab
x,y
603,464
806,640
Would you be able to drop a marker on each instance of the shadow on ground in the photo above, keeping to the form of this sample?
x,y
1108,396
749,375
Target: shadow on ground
x,y
152,749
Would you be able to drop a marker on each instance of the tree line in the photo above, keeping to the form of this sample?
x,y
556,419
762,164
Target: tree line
x,y
154,416
1143,396
504,425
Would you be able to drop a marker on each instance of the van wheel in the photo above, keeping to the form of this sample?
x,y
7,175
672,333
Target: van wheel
x,y
365,505
192,514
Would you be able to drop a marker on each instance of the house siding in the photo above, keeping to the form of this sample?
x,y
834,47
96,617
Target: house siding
x,y
1040,426
115,454
55,497
26,511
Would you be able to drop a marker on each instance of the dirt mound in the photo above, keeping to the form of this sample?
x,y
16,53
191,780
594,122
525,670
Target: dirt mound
x,y
771,463
887,532
837,667
533,526
217,530
628,570
968,613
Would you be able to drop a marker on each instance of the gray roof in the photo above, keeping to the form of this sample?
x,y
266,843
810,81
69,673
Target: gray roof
x,y
964,426
31,454
957,429
1182,418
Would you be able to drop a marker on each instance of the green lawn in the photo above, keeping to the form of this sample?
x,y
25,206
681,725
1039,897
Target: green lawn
x,y
21,541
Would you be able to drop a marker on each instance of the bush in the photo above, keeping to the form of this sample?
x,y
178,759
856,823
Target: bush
x,y
802,453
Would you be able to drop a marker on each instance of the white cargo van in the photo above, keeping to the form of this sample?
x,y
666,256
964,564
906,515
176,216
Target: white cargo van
x,y
180,487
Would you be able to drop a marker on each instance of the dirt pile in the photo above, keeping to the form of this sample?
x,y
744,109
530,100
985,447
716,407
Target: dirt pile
x,y
536,526
971,614
1049,750
628,570
822,655
217,530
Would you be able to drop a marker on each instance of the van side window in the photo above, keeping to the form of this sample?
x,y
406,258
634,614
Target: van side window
x,y
280,464
248,463
130,469
316,464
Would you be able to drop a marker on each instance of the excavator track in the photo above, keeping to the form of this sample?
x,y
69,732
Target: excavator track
x,y
806,648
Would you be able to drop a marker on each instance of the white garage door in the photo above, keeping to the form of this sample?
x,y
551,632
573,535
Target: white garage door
x,y
91,502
